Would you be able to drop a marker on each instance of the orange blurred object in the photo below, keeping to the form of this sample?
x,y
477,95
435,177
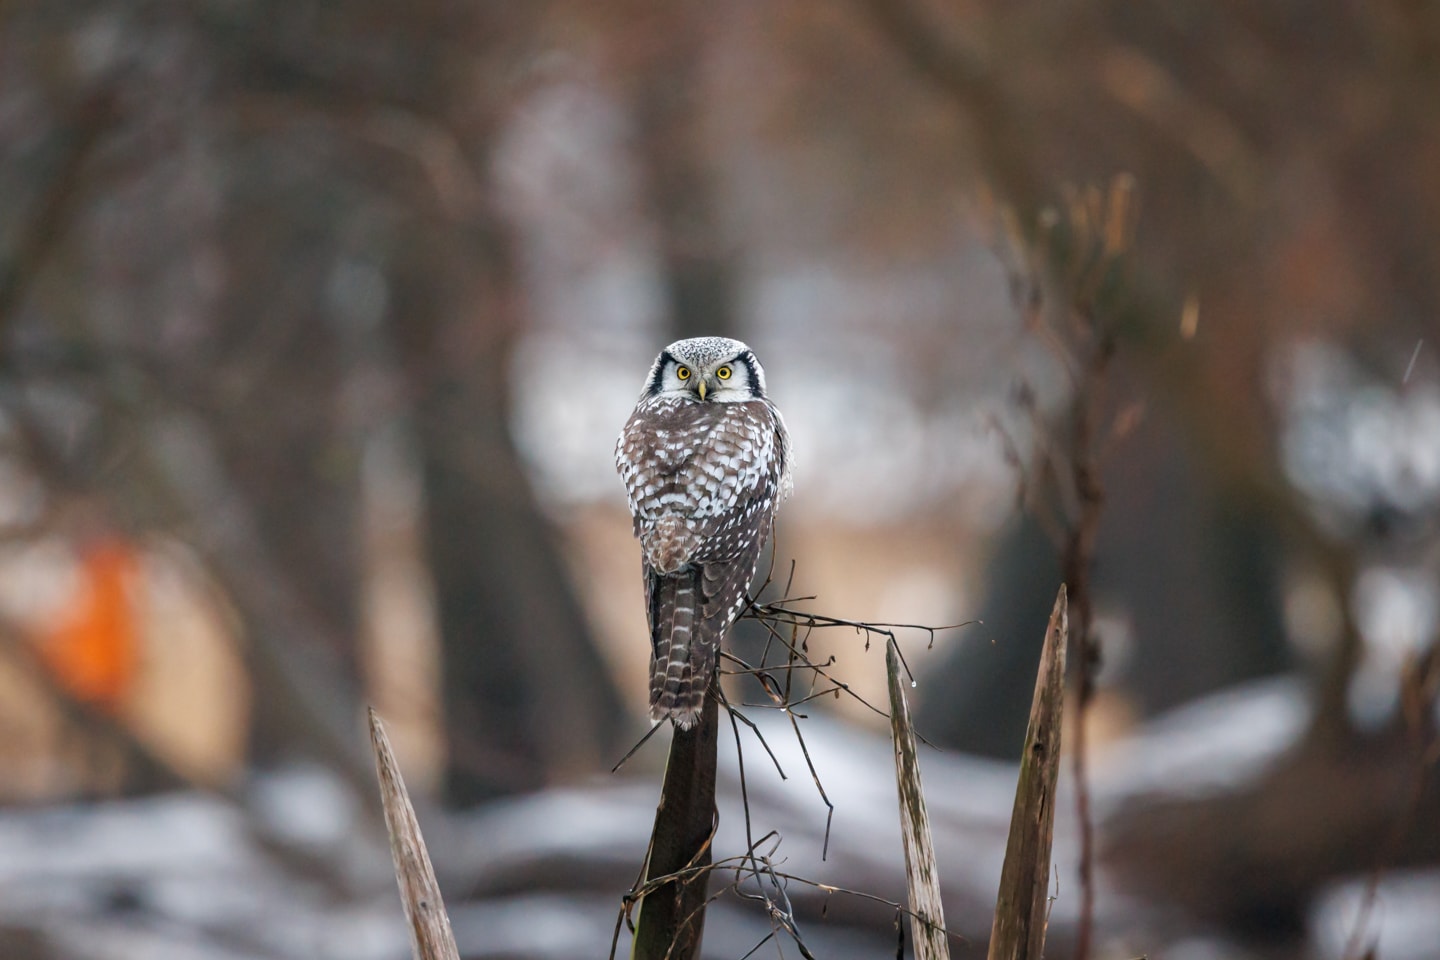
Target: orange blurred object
x,y
93,651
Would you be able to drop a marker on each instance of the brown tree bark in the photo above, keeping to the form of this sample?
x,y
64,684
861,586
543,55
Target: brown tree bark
x,y
527,696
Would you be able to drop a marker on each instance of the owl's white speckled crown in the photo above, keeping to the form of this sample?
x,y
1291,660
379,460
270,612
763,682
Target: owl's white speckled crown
x,y
703,351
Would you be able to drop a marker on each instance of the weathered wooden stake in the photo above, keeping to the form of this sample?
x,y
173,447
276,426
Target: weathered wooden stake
x,y
927,921
1018,931
430,934
672,916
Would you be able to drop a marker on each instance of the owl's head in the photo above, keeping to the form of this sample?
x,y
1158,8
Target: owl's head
x,y
709,369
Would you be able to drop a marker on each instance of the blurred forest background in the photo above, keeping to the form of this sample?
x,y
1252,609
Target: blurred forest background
x,y
318,322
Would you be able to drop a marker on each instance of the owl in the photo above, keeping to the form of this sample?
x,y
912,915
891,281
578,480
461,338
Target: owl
x,y
705,459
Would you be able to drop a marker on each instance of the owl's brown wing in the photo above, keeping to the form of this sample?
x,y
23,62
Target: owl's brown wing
x,y
725,575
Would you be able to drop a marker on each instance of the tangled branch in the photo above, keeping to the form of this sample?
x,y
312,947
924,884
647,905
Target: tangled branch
x,y
790,678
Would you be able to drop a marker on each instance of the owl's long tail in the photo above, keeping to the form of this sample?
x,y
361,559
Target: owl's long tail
x,y
683,648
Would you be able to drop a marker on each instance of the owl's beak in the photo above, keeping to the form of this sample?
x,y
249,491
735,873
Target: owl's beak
x,y
701,388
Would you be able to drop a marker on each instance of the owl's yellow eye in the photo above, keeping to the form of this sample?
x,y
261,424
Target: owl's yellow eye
x,y
723,373
682,373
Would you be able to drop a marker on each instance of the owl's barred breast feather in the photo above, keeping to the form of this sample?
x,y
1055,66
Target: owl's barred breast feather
x,y
703,481
692,472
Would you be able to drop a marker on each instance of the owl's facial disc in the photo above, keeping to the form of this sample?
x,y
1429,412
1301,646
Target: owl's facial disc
x,y
708,370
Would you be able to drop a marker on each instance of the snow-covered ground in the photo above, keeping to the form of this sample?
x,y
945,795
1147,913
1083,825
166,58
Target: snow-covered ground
x,y
295,868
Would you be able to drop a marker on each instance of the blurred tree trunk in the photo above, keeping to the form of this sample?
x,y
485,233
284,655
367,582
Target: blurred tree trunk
x,y
278,424
387,115
527,696
681,186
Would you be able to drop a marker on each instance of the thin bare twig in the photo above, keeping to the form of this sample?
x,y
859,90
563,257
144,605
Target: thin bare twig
x,y
638,744
736,715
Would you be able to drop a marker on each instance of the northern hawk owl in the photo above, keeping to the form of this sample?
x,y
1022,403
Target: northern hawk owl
x,y
705,459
